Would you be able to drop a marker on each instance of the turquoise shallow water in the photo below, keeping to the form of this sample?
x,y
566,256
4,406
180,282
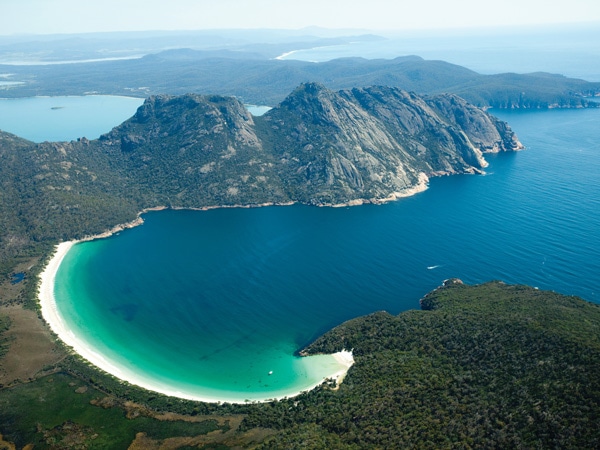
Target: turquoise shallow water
x,y
211,301
167,308
65,118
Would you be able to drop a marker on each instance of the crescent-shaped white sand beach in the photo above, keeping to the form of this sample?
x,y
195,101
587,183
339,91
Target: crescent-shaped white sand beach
x,y
343,360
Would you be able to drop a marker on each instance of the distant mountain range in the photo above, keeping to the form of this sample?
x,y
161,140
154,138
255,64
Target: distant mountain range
x,y
256,79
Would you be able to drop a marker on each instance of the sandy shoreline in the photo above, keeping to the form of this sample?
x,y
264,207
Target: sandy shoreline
x,y
345,358
46,293
50,314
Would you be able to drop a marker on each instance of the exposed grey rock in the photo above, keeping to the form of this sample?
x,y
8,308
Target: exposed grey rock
x,y
317,147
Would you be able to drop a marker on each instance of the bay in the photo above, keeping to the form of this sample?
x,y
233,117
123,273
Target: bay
x,y
67,118
212,301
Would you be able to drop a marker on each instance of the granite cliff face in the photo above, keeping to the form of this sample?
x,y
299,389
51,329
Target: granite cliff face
x,y
369,144
195,151
317,147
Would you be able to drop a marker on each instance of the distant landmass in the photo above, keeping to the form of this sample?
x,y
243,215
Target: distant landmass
x,y
256,79
318,147
103,46
491,365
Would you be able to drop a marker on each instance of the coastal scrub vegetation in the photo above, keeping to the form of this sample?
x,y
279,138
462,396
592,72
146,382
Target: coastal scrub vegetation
x,y
488,366
59,411
485,366
4,341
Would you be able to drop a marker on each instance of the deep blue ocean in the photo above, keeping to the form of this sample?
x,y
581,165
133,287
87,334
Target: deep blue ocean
x,y
218,298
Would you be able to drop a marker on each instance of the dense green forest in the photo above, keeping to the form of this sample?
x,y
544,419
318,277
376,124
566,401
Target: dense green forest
x,y
486,366
489,366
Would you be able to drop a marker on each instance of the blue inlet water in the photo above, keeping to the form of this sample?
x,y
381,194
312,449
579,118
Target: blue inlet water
x,y
65,118
211,301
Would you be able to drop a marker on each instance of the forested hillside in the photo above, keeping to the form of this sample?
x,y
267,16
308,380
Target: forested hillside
x,y
488,366
483,366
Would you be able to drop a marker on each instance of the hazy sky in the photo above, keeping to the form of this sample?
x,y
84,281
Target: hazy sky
x,y
70,16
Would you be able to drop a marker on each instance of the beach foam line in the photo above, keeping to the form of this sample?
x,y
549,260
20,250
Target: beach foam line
x,y
51,315
46,293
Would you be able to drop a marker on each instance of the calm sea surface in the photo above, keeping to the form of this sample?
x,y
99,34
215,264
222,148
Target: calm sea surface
x,y
65,118
212,301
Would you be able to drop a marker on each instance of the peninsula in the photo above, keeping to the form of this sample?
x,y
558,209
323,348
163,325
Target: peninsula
x,y
318,147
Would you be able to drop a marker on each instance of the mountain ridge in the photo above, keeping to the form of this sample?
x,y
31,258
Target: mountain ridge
x,y
337,147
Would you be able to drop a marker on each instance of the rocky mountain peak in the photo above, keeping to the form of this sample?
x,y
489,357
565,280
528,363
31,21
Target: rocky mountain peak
x,y
318,147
